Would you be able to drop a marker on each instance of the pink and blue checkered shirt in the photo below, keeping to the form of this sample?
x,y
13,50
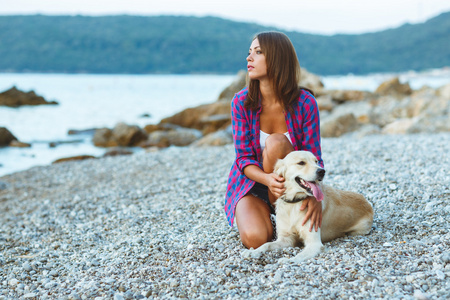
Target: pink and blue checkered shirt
x,y
303,127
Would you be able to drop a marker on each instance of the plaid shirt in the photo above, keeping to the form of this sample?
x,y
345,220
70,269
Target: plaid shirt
x,y
303,127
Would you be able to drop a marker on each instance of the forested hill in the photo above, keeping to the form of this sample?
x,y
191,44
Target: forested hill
x,y
168,44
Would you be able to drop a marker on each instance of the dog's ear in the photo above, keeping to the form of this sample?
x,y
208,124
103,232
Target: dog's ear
x,y
280,168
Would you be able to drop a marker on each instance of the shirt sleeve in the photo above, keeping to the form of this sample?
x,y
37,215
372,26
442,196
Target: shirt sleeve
x,y
242,136
311,128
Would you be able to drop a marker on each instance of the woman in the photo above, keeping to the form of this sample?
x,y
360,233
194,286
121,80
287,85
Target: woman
x,y
270,118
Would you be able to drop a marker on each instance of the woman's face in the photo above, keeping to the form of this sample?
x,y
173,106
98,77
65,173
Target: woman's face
x,y
256,62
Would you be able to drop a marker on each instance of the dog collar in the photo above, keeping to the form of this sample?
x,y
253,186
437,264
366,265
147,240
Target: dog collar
x,y
295,200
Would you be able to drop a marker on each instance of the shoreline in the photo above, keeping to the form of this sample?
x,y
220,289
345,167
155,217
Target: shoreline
x,y
152,225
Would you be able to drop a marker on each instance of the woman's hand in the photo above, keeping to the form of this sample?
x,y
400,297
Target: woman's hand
x,y
314,212
275,184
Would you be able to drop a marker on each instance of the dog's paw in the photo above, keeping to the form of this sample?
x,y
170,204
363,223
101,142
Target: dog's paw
x,y
285,261
250,253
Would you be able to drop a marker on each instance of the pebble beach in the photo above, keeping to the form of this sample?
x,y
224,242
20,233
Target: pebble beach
x,y
151,225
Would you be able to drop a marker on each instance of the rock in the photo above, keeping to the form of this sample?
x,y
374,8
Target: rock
x,y
103,138
117,151
176,137
337,125
26,266
429,103
367,129
13,282
161,126
6,137
218,138
237,85
393,109
310,81
192,117
400,126
385,110
17,144
30,296
90,131
72,158
15,98
394,87
348,95
128,135
215,122
361,110
57,143
444,92
430,124
325,103
121,135
153,127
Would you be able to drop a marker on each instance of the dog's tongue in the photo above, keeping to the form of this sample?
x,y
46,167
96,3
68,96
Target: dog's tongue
x,y
317,192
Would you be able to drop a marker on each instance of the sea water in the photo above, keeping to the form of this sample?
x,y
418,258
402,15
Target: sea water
x,y
89,101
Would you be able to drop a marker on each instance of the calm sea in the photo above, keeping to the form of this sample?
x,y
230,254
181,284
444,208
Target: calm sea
x,y
92,101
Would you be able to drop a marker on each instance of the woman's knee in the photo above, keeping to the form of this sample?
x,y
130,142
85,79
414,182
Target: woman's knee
x,y
277,145
253,221
255,237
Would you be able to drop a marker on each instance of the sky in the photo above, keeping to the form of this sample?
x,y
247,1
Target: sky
x,y
310,16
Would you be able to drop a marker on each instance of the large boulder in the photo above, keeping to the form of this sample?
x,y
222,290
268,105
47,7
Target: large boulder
x,y
103,138
348,95
73,158
18,144
400,126
215,122
430,125
394,87
175,137
128,135
361,110
200,117
444,92
218,138
121,135
238,84
310,81
6,137
15,98
337,125
325,103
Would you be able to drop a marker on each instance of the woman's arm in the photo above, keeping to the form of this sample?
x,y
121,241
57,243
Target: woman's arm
x,y
274,182
311,142
246,159
241,129
311,127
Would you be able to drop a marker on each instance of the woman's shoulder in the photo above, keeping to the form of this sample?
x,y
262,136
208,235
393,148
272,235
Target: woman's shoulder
x,y
240,96
306,101
242,93
306,94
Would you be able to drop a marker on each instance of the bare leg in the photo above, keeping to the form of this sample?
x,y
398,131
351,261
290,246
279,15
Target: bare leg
x,y
277,147
253,221
312,242
280,243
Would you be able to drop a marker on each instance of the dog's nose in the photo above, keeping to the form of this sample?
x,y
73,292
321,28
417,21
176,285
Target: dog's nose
x,y
320,174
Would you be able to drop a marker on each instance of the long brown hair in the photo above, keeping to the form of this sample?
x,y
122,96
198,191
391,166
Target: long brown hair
x,y
283,69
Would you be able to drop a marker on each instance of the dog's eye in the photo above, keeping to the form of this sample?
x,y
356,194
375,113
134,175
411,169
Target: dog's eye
x,y
302,163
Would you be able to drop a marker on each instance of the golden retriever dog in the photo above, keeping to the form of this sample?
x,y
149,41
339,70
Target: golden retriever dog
x,y
343,212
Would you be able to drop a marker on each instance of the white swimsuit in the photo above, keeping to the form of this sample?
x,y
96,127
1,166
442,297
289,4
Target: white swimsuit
x,y
263,136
